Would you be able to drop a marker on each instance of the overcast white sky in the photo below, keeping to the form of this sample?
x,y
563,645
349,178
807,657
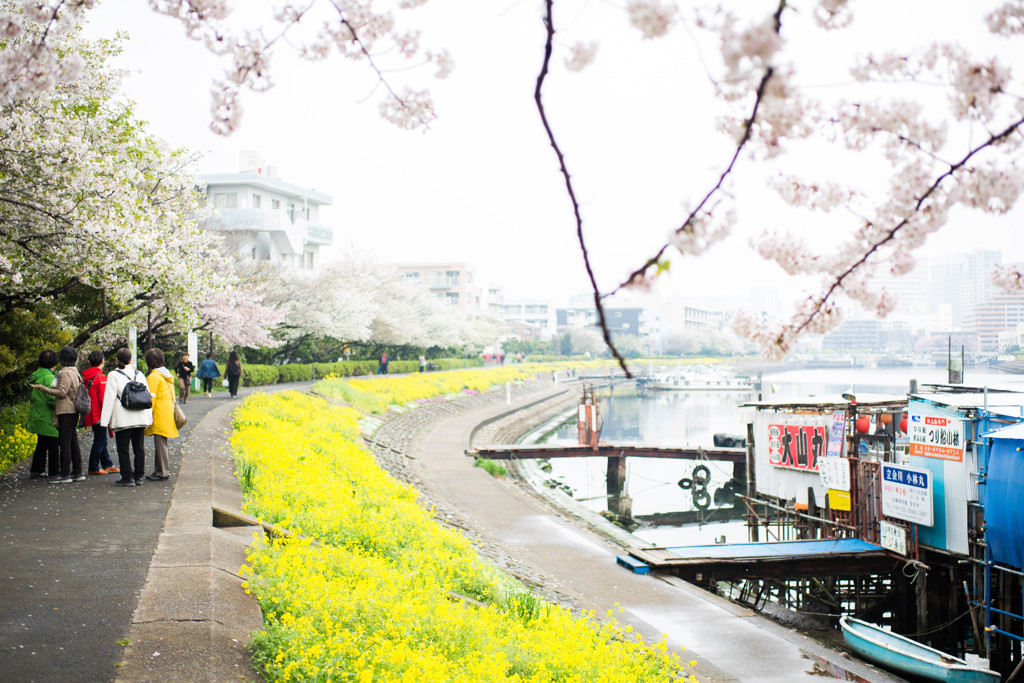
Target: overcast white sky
x,y
482,186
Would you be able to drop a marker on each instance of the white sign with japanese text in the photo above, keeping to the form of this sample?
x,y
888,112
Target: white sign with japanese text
x,y
892,537
835,473
934,435
907,493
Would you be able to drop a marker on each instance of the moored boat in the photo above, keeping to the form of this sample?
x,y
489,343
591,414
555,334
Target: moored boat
x,y
904,655
699,381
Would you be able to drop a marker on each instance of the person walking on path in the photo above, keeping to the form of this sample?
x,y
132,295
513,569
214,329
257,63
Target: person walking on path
x,y
208,372
161,385
68,381
184,370
129,425
233,372
383,365
40,419
423,363
96,381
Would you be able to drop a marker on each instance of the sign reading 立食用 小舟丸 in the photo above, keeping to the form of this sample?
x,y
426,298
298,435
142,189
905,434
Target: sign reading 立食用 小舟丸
x,y
797,447
933,435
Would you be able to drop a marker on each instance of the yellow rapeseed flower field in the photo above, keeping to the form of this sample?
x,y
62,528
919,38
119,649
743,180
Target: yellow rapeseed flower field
x,y
377,590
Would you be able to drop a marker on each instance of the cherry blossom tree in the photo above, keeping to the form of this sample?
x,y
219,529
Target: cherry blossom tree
x,y
357,300
88,199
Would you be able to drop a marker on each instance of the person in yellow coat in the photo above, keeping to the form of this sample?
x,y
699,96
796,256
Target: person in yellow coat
x,y
161,385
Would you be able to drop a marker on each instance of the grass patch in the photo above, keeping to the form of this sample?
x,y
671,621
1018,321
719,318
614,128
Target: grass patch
x,y
491,467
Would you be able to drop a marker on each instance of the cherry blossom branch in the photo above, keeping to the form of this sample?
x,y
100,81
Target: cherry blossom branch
x,y
818,305
9,302
144,298
406,105
548,47
639,275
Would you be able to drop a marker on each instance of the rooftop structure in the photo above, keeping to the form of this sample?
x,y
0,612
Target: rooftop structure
x,y
266,218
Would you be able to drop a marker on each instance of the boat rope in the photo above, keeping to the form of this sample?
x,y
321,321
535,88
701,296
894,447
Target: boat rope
x,y
940,626
918,568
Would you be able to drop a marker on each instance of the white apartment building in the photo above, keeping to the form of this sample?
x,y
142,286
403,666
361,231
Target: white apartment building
x,y
453,283
266,218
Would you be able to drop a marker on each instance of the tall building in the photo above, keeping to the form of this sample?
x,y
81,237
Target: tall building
x,y
266,218
1000,313
453,283
962,283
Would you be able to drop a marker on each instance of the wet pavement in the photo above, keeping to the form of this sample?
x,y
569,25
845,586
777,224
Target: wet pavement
x,y
74,559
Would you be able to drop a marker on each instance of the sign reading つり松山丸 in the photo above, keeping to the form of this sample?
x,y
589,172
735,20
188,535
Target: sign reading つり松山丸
x,y
798,447
933,435
907,493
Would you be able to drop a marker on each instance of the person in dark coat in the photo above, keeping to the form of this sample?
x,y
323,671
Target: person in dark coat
x,y
208,372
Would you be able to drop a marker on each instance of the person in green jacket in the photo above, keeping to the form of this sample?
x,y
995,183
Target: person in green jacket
x,y
40,419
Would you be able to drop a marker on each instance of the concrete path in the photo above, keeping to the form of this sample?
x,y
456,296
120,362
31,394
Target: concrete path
x,y
729,642
74,559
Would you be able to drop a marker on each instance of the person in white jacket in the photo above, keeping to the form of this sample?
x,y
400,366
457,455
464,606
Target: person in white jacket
x,y
129,426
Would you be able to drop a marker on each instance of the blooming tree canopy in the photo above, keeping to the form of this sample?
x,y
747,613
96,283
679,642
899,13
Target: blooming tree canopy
x,y
356,300
87,198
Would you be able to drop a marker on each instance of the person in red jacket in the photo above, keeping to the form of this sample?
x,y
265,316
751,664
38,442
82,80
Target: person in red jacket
x,y
99,458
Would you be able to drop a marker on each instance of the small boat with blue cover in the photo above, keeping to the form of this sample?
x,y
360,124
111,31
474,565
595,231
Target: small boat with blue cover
x,y
904,655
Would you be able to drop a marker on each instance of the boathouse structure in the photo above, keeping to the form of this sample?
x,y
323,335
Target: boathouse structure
x,y
903,510
906,511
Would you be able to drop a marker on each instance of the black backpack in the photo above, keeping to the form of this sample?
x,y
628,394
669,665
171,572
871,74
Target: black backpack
x,y
83,402
135,395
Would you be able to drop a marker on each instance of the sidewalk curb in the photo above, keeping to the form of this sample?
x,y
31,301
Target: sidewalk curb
x,y
193,620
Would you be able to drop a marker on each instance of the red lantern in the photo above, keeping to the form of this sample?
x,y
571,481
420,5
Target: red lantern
x,y
903,423
863,424
885,418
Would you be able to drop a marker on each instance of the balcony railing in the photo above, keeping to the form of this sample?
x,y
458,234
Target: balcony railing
x,y
320,234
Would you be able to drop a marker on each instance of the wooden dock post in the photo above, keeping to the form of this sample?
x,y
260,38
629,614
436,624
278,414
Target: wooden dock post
x,y
616,485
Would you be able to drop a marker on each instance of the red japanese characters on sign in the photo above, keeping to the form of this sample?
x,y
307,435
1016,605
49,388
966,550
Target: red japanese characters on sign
x,y
797,447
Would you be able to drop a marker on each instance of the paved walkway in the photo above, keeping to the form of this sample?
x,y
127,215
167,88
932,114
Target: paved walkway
x,y
74,558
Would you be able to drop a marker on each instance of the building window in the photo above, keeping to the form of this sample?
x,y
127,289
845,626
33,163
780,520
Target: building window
x,y
255,252
225,200
275,204
291,212
257,201
452,298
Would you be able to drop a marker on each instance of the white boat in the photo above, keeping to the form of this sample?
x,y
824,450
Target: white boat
x,y
699,381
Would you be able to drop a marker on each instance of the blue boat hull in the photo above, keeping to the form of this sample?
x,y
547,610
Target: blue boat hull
x,y
902,654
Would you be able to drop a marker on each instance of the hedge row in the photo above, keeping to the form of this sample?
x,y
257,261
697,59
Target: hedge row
x,y
260,375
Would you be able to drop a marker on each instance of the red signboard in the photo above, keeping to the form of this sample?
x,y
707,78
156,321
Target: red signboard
x,y
797,447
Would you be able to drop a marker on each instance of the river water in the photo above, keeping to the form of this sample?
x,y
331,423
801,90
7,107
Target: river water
x,y
690,419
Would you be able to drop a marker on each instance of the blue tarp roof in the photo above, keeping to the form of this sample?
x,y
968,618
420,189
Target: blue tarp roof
x,y
780,549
